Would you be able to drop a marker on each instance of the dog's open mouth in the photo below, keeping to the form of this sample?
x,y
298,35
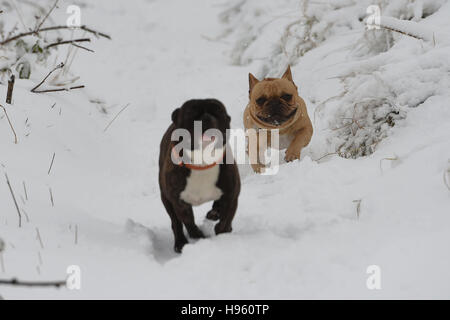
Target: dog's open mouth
x,y
277,119
211,151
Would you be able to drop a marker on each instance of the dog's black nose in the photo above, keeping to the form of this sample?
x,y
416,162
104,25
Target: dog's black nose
x,y
274,106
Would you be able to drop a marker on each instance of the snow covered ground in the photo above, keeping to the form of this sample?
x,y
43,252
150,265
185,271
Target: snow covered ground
x,y
296,234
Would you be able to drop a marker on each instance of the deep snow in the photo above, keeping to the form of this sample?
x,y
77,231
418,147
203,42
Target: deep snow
x,y
296,234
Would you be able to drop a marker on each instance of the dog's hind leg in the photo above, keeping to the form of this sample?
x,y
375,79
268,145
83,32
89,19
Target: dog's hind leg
x,y
177,226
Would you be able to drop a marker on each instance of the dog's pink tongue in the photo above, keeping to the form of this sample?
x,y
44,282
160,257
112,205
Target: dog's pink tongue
x,y
206,140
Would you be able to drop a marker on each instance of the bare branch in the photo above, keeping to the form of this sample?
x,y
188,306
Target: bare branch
x,y
14,199
38,237
24,34
81,47
358,207
51,197
110,123
59,66
51,164
68,42
46,16
60,89
10,124
16,282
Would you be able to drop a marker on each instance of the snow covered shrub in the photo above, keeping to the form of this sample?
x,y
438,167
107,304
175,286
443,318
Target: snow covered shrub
x,y
31,41
381,72
365,126
23,54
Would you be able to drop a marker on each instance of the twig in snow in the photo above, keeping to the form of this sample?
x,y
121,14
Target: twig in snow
x,y
38,237
24,34
81,47
67,42
51,197
10,124
408,28
402,32
14,199
46,16
51,164
59,66
16,282
9,93
25,190
26,215
358,207
390,159
58,90
326,155
110,123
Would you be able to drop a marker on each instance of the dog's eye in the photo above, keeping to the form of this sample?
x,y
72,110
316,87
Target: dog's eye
x,y
286,97
260,101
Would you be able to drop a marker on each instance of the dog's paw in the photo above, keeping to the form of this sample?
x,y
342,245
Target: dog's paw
x,y
221,228
196,233
213,215
291,155
179,244
258,168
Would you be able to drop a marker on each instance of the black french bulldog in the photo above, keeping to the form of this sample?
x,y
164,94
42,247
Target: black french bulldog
x,y
184,184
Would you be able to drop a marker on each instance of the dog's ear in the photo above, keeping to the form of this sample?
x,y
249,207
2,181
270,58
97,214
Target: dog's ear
x,y
175,114
288,74
252,81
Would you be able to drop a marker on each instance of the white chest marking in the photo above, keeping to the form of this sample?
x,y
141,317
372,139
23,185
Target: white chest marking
x,y
201,186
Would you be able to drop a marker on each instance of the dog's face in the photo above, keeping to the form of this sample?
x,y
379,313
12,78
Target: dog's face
x,y
273,100
210,112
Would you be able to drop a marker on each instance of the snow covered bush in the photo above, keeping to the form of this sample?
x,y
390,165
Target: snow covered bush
x,y
33,40
378,73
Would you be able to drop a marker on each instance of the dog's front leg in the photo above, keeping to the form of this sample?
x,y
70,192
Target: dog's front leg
x,y
177,225
301,140
256,150
214,213
227,209
186,215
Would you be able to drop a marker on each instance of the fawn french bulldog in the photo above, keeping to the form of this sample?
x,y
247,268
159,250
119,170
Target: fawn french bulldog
x,y
275,104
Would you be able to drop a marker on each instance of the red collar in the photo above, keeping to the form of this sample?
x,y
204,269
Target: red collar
x,y
193,166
